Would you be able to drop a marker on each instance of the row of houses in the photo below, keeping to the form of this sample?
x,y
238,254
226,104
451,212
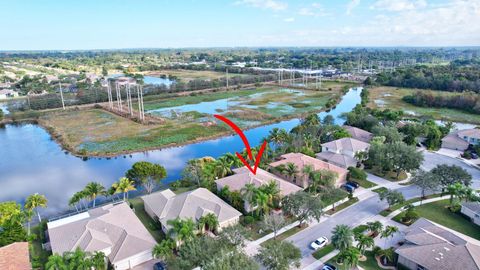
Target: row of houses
x,y
115,229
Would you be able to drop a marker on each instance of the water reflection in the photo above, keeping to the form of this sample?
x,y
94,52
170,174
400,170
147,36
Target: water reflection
x,y
31,162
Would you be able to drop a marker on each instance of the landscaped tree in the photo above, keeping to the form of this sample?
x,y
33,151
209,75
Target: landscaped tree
x,y
387,255
375,227
147,174
124,185
364,242
303,206
349,257
410,214
451,174
342,237
388,232
307,172
427,181
55,262
404,158
279,255
11,230
392,197
164,249
9,210
234,235
93,190
223,167
291,170
98,261
455,190
181,230
234,260
272,190
209,222
390,133
262,202
34,201
273,222
249,192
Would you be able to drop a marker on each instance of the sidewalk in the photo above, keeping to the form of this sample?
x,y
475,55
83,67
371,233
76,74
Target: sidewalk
x,y
398,211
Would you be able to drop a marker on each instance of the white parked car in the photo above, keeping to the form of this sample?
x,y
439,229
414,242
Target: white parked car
x,y
319,243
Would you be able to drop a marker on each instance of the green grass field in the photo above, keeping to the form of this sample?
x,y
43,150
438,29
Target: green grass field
x,y
152,226
391,97
437,212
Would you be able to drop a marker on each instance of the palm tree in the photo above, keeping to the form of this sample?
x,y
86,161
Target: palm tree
x,y
291,170
210,221
28,215
55,262
74,200
164,249
364,242
182,230
248,193
93,190
262,202
387,254
349,257
272,190
35,201
124,185
78,260
454,190
388,232
375,227
233,159
342,237
223,167
98,261
307,172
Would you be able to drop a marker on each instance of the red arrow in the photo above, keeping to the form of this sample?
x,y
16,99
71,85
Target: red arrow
x,y
247,145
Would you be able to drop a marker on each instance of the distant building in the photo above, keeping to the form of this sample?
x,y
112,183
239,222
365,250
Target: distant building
x,y
7,93
243,176
429,246
472,210
91,78
300,160
165,205
113,229
15,257
51,78
461,139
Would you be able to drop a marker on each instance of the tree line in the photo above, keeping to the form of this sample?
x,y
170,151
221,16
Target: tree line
x,y
469,102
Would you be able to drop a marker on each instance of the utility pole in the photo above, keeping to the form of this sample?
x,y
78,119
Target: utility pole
x,y
110,99
61,94
227,77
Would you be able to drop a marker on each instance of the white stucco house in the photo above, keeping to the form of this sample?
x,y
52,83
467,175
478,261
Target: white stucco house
x,y
472,210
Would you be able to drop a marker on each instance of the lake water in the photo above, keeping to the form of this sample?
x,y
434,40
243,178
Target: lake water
x,y
30,161
150,80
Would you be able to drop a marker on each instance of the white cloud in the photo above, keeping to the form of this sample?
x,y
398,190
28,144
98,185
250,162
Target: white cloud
x,y
314,9
351,5
398,5
291,19
264,4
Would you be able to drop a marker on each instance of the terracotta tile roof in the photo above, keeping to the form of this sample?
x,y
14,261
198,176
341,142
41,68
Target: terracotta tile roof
x,y
300,160
15,257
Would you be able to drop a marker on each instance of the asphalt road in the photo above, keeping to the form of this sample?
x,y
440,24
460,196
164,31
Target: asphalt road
x,y
370,207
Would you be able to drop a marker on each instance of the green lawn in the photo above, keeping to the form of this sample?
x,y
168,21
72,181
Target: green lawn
x,y
318,254
380,190
395,207
152,226
364,183
370,263
285,234
437,212
38,255
343,205
390,176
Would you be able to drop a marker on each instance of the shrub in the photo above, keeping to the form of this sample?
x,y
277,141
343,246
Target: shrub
x,y
248,220
356,173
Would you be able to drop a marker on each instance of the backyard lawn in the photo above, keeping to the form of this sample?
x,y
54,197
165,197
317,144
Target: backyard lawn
x,y
152,226
437,212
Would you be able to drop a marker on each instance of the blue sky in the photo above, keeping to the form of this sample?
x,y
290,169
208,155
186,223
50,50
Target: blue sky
x,y
110,24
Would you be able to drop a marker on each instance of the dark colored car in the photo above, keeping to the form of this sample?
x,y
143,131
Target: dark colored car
x,y
353,184
160,266
349,188
328,266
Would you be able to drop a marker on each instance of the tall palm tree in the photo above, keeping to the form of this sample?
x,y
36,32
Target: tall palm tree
x,y
223,167
35,201
262,202
233,159
342,237
55,262
387,254
349,257
74,200
248,193
364,242
93,190
307,172
291,170
388,232
164,249
182,230
98,261
124,185
272,190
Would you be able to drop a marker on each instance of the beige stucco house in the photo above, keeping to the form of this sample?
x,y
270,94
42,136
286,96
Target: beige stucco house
x,y
166,205
113,229
343,152
461,139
